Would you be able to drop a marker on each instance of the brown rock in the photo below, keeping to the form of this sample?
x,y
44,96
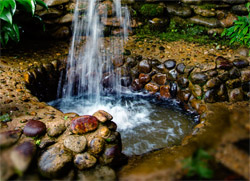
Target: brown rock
x,y
144,78
136,85
236,95
55,127
152,87
75,143
8,138
103,116
84,124
85,160
144,67
165,91
34,128
228,21
96,145
160,78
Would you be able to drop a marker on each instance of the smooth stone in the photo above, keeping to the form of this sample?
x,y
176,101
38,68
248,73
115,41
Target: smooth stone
x,y
222,93
134,72
223,76
236,95
165,91
55,2
110,153
233,83
173,74
85,160
50,13
55,162
96,145
155,63
136,85
144,67
111,125
8,138
177,10
22,155
75,143
130,62
240,63
55,127
144,78
183,82
199,78
83,124
184,95
46,141
245,75
223,63
173,89
34,128
159,78
196,90
61,32
104,132
234,73
170,64
158,24
152,87
208,22
210,96
214,82
243,51
103,116
228,21
180,68
203,12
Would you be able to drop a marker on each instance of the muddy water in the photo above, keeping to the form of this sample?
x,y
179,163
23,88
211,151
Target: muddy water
x,y
145,123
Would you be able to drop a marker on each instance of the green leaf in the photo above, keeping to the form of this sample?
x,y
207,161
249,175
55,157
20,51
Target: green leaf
x,y
66,117
6,16
12,4
29,5
41,3
245,30
16,29
1,6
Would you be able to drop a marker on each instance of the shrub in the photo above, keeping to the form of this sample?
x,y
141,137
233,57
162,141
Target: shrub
x,y
9,28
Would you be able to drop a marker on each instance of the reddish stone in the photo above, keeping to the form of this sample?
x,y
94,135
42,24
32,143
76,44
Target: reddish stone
x,y
136,85
165,91
34,128
144,78
83,124
160,79
152,88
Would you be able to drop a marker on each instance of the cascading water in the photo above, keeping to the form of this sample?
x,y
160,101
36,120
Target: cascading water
x,y
143,126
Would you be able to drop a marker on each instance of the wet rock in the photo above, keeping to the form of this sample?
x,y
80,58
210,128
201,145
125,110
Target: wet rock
x,y
55,2
22,155
240,63
144,78
83,124
173,74
34,128
96,145
50,13
161,68
99,173
183,82
155,63
136,85
231,84
234,1
245,75
46,141
126,81
75,143
243,51
215,31
103,116
180,68
191,1
188,69
55,127
208,22
165,91
108,79
170,64
223,76
85,160
61,33
158,24
228,21
223,63
234,73
203,12
195,104
152,87
222,93
240,9
110,153
210,96
177,10
55,162
144,67
213,73
236,95
196,90
106,7
117,61
159,78
184,96
199,78
8,138
173,89
130,62
212,83
104,132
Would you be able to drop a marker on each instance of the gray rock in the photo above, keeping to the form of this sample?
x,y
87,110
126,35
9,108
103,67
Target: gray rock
x,y
85,160
245,75
144,66
236,95
208,22
68,18
210,96
203,12
75,143
199,78
180,68
55,127
8,138
170,64
177,10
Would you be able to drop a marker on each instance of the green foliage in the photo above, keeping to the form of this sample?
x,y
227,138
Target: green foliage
x,y
66,118
151,10
197,165
10,29
240,31
5,118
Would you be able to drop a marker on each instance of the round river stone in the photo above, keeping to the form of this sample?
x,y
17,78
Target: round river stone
x,y
34,128
84,124
84,160
75,143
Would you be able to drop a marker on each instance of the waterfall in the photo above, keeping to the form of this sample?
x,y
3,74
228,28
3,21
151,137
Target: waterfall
x,y
90,55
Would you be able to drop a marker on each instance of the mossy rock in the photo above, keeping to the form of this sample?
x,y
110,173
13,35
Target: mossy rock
x,y
151,10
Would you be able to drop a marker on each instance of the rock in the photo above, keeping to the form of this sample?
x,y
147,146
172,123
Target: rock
x,y
110,153
177,10
117,61
170,64
103,173
55,162
234,73
243,51
199,78
22,155
233,83
144,67
34,128
106,7
246,86
103,116
183,82
85,160
46,141
203,12
212,73
228,21
165,91
236,95
130,62
49,13
208,22
212,83
55,127
234,1
173,89
245,75
8,138
223,76
215,31
158,24
75,143
104,132
83,124
136,85
159,78
191,1
223,63
111,125
155,63
222,93
173,74
61,33
126,81
210,96
196,90
144,78
240,63
152,87
240,9
96,145
184,96
180,68
55,2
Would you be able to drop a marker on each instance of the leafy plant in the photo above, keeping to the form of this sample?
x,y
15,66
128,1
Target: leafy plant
x,y
5,118
8,8
197,165
151,10
240,31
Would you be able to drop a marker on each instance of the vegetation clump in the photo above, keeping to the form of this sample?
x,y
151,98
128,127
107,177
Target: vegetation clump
x,y
151,10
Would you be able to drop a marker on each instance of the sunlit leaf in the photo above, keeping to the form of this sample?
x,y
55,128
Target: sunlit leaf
x,y
29,5
6,16
41,3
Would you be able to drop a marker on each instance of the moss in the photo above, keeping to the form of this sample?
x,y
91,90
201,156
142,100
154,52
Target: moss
x,y
207,6
151,10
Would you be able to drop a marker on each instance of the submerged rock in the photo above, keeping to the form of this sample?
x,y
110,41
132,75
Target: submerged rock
x,y
8,138
75,143
83,124
34,128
